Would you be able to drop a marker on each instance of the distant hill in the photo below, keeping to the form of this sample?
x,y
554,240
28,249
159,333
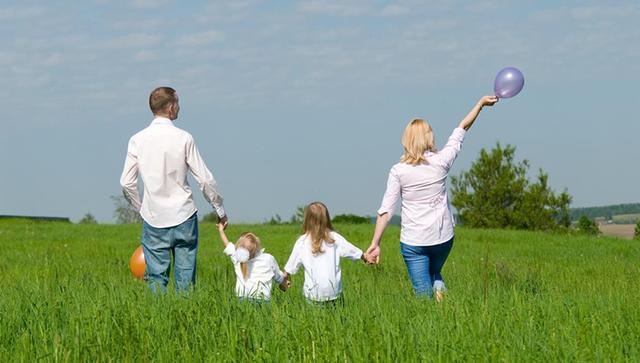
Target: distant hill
x,y
606,212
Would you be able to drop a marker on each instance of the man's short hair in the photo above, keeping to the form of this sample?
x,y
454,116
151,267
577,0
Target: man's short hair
x,y
160,98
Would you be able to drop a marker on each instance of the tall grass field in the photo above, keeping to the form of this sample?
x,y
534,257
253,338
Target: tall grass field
x,y
67,295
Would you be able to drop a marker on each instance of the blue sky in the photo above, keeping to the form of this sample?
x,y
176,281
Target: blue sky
x,y
292,102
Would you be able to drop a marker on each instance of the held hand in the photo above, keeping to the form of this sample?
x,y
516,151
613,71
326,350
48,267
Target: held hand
x,y
224,221
220,227
368,259
374,254
285,284
488,101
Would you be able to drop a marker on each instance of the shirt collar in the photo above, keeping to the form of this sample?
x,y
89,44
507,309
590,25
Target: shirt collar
x,y
159,120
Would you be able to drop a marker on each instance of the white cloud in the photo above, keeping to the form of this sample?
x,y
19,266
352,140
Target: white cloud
x,y
394,10
144,56
335,7
137,40
148,4
16,13
198,39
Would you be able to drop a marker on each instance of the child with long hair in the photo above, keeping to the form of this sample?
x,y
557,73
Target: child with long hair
x,y
319,251
255,269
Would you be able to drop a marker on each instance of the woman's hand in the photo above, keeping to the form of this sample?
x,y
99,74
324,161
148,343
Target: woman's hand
x,y
488,101
374,254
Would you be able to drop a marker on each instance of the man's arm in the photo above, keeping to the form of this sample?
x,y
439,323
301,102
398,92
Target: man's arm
x,y
205,179
129,178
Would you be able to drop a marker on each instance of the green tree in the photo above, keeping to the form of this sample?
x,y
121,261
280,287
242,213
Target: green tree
x,y
124,212
88,219
275,219
351,219
636,235
298,217
587,226
495,193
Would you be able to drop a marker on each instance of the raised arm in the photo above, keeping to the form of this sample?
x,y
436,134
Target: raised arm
x,y
223,236
473,114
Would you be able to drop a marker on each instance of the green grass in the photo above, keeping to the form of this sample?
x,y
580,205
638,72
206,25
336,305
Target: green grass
x,y
67,295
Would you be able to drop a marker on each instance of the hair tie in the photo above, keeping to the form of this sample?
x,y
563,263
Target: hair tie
x,y
242,254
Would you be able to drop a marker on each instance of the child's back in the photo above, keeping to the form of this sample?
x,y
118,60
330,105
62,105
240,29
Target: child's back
x,y
262,269
322,273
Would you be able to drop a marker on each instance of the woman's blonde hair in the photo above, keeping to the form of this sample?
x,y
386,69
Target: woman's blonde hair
x,y
416,140
317,223
251,243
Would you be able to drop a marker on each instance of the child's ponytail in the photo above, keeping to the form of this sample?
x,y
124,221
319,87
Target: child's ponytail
x,y
247,247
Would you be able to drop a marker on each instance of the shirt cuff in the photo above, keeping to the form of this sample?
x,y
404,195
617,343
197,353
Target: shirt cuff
x,y
279,277
230,249
220,211
384,210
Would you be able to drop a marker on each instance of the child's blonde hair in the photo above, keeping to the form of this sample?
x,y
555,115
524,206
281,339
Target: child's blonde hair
x,y
251,243
416,140
317,223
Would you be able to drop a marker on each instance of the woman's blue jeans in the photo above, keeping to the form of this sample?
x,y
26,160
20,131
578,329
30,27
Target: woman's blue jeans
x,y
424,264
159,244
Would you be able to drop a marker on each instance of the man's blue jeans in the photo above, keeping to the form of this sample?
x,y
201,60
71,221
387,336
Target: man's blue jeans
x,y
424,264
159,244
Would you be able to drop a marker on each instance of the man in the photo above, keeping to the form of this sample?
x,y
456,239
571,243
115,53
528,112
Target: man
x,y
162,154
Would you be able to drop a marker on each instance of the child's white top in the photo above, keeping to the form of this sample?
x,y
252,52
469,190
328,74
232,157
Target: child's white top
x,y
426,214
262,269
322,275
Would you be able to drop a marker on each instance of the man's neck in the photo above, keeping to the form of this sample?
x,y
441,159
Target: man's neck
x,y
163,116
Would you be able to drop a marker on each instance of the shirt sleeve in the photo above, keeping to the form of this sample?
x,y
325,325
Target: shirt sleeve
x,y
278,276
346,249
450,151
391,195
230,251
295,260
203,176
129,177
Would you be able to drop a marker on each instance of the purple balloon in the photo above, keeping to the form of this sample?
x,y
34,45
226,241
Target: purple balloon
x,y
509,82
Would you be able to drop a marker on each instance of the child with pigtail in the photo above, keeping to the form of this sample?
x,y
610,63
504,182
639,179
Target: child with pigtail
x,y
255,269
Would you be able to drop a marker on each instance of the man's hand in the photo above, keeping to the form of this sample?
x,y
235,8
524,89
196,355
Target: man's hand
x,y
224,221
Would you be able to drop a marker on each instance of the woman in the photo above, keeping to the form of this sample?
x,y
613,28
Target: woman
x,y
419,179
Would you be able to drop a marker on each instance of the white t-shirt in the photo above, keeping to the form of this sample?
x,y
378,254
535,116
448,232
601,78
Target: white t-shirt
x,y
322,275
426,215
262,269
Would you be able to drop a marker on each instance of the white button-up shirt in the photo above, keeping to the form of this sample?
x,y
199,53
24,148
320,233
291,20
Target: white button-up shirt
x,y
322,274
162,154
426,214
262,268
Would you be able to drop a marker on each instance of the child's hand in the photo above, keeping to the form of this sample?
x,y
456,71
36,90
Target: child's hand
x,y
369,259
220,226
286,283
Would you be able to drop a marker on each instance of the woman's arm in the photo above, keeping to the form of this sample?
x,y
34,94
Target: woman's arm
x,y
381,224
473,114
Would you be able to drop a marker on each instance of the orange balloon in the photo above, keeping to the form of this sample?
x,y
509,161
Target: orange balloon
x,y
137,264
